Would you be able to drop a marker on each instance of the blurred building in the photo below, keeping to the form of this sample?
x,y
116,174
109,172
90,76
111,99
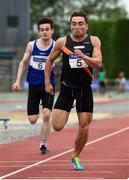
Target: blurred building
x,y
14,35
14,22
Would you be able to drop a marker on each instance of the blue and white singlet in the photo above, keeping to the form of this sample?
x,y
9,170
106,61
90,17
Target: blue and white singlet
x,y
36,68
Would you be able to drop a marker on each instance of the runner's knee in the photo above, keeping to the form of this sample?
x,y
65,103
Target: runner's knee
x,y
84,125
33,119
57,127
46,113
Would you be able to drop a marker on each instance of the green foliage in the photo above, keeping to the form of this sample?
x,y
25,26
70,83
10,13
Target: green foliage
x,y
121,47
60,11
105,31
114,38
104,9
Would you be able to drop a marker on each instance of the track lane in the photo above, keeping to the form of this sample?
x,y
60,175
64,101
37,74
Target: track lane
x,y
60,142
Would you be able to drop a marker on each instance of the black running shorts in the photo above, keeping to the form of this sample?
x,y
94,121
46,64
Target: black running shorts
x,y
38,96
83,97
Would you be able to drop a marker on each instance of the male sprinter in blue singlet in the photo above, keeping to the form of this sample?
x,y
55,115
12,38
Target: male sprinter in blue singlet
x,y
35,57
80,53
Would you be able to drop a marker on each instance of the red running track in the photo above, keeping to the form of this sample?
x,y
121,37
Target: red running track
x,y
106,155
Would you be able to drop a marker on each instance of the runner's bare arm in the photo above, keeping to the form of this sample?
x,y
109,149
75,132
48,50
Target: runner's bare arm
x,y
56,51
22,67
96,59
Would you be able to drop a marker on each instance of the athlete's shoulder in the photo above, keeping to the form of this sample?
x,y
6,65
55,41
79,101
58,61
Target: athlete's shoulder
x,y
61,39
95,40
30,44
60,42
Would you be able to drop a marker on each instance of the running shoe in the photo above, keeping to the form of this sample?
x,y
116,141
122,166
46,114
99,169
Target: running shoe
x,y
44,150
76,164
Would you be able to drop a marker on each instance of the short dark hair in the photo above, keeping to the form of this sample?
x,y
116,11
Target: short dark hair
x,y
45,20
79,13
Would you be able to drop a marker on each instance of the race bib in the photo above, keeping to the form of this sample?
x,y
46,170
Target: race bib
x,y
38,63
76,62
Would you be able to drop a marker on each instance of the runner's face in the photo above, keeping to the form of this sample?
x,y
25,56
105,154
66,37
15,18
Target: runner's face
x,y
45,31
78,26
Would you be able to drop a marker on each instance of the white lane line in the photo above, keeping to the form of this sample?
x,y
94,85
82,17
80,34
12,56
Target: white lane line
x,y
65,152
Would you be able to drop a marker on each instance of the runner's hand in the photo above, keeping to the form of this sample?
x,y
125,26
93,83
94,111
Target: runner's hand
x,y
49,88
16,87
79,53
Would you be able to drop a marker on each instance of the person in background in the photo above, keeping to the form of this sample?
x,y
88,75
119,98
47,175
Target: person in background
x,y
34,58
102,79
80,53
121,80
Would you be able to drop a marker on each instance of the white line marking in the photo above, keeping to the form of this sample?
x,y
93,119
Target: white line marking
x,y
65,152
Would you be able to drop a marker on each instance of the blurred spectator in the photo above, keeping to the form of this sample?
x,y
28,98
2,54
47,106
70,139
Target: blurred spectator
x,y
121,80
102,79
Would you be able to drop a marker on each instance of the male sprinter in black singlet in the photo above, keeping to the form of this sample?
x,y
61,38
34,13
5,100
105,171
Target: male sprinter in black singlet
x,y
80,53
